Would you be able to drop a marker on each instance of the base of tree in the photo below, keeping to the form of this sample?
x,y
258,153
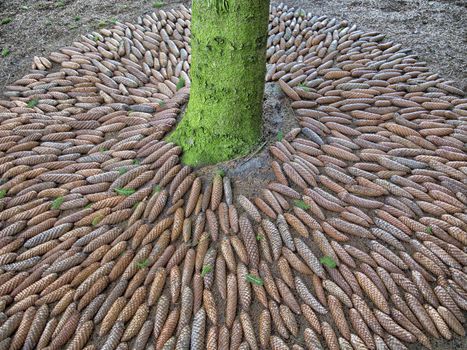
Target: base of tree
x,y
253,171
201,146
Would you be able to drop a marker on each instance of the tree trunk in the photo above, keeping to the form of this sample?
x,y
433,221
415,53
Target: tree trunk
x,y
224,113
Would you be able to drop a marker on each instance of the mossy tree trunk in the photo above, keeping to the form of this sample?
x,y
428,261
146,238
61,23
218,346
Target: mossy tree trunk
x,y
224,113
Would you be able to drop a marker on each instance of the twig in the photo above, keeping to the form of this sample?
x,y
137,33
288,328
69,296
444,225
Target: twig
x,y
254,153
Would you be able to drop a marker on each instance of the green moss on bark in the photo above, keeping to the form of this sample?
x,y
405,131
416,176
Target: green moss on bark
x,y
224,113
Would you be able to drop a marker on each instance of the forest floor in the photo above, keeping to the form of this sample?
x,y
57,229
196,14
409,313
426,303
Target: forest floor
x,y
434,30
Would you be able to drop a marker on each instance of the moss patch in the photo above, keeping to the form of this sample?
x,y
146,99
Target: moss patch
x,y
209,143
223,117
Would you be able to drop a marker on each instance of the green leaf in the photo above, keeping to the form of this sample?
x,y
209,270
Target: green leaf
x,y
77,18
280,135
142,264
162,104
259,237
328,261
5,52
301,204
113,20
122,171
303,87
103,149
206,269
180,84
5,20
87,206
429,230
57,202
158,4
125,191
254,279
3,193
102,24
96,220
136,161
33,103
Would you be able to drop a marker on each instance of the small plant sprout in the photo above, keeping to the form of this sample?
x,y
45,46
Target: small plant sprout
x,y
220,172
254,279
156,189
2,193
181,83
5,20
429,230
259,237
87,206
60,3
280,135
125,191
96,220
5,52
102,23
33,103
161,103
103,149
77,18
158,4
206,269
142,264
303,87
122,171
328,261
57,203
301,204
136,161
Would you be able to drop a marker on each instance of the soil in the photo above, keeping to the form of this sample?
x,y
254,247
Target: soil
x,y
435,31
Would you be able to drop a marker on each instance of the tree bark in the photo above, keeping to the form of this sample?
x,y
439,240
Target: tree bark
x,y
224,113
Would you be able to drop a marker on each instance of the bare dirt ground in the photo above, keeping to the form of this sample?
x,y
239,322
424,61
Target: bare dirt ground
x,y
435,30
